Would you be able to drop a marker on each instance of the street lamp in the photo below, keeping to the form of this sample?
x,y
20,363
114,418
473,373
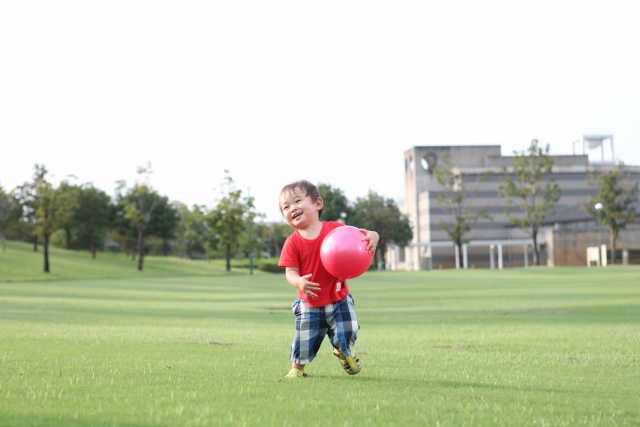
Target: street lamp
x,y
343,217
598,207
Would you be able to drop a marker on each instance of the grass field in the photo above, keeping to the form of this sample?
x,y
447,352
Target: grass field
x,y
543,347
20,263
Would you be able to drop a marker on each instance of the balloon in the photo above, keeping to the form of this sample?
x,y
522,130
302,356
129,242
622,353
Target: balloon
x,y
344,254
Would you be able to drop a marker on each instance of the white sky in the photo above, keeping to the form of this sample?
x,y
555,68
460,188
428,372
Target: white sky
x,y
278,91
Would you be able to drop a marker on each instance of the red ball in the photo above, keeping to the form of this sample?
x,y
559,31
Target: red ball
x,y
344,254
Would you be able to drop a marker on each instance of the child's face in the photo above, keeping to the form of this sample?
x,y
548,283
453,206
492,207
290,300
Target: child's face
x,y
298,210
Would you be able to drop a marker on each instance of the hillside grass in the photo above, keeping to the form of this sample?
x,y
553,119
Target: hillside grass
x,y
19,263
539,347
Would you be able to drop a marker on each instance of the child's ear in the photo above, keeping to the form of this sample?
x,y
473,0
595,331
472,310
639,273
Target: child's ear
x,y
319,203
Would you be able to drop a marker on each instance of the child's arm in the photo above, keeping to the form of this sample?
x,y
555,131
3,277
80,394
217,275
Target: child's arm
x,y
301,282
372,237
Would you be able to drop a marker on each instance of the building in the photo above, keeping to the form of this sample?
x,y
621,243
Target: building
x,y
494,243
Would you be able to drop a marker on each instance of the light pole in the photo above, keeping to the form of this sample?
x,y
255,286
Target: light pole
x,y
598,207
249,205
343,217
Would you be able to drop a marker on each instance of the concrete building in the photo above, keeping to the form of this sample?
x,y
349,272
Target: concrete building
x,y
493,243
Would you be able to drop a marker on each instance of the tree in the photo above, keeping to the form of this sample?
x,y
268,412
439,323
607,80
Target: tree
x,y
54,207
93,213
72,191
335,203
229,217
8,210
374,212
617,193
276,235
164,222
530,169
456,201
27,198
137,207
192,227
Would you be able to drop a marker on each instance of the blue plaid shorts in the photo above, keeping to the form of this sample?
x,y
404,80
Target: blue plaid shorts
x,y
338,320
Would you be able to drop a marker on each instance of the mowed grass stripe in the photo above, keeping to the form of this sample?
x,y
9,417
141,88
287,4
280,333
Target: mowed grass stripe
x,y
511,347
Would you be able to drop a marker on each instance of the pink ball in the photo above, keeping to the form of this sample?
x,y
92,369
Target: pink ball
x,y
344,254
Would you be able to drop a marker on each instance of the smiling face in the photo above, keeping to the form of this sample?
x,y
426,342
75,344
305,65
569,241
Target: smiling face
x,y
298,209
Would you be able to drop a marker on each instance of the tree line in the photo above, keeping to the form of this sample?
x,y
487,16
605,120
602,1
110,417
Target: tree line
x,y
139,221
527,186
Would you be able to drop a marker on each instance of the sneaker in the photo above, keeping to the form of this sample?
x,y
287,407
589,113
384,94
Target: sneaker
x,y
351,364
296,373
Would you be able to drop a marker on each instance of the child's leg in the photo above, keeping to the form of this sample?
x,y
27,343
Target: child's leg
x,y
311,328
343,325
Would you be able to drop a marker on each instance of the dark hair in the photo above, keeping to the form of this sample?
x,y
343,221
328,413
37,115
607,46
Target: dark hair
x,y
308,188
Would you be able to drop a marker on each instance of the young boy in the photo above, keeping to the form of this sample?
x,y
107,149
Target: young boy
x,y
324,305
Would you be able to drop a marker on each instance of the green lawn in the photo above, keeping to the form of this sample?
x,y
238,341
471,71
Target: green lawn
x,y
20,263
544,347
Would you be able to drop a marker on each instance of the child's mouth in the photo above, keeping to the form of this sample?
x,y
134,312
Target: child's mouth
x,y
295,216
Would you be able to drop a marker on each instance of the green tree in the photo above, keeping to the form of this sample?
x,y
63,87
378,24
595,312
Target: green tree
x,y
276,234
93,214
54,207
228,219
336,205
530,169
164,222
374,212
617,193
456,199
8,212
27,198
138,205
192,227
72,192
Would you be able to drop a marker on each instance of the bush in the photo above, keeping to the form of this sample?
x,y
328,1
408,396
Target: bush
x,y
270,266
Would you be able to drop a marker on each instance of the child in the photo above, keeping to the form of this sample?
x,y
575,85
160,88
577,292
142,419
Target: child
x,y
324,305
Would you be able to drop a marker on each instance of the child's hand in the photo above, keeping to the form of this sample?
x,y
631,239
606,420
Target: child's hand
x,y
308,287
372,237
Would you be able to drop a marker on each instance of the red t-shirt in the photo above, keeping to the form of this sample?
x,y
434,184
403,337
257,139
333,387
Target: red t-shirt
x,y
305,255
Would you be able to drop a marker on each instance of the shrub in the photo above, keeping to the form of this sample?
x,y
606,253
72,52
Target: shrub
x,y
270,266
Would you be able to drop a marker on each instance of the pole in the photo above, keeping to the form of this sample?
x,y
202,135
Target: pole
x,y
250,227
465,258
599,239
492,262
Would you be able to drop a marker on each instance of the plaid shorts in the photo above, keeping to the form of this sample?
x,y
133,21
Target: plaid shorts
x,y
338,320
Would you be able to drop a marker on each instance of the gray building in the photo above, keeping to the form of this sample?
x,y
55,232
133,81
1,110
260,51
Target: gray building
x,y
491,243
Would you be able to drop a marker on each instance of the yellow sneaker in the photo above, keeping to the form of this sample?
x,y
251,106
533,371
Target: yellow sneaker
x,y
296,373
351,364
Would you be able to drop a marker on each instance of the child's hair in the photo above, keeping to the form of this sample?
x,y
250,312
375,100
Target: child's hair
x,y
309,190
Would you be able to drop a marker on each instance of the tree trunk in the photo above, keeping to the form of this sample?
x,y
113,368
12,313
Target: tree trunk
x,y
68,230
140,248
45,245
35,243
379,254
534,235
460,261
92,246
1,239
228,256
613,235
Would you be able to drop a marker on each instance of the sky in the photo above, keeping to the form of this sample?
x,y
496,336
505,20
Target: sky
x,y
331,92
